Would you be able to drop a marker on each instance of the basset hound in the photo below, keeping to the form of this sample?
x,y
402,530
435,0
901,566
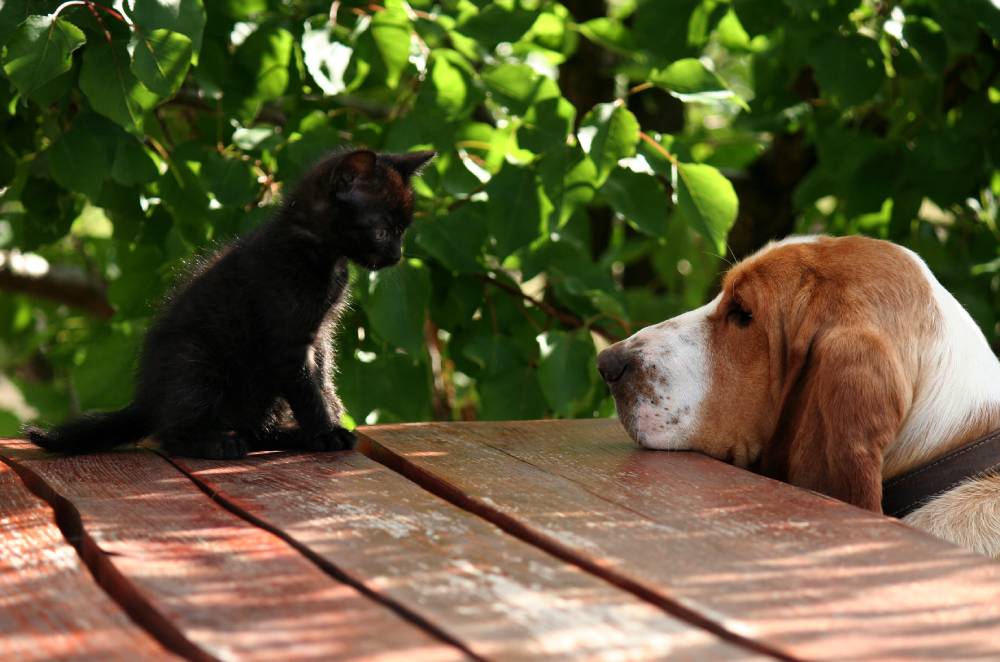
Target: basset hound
x,y
834,364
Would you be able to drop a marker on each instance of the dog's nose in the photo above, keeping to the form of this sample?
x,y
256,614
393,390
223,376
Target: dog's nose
x,y
612,364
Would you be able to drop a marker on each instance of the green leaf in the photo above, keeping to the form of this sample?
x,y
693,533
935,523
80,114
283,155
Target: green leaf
x,y
609,132
135,293
926,39
183,192
568,177
394,385
566,370
609,33
184,16
231,180
759,16
455,239
40,50
10,425
111,87
731,33
265,55
14,12
515,209
132,164
78,161
518,86
546,125
249,139
242,9
160,60
493,354
454,300
497,23
391,32
56,89
668,31
849,70
104,379
806,6
397,303
565,255
513,395
988,16
49,213
639,198
690,80
299,154
707,201
450,84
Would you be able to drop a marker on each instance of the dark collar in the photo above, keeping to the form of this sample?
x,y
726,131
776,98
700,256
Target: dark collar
x,y
904,494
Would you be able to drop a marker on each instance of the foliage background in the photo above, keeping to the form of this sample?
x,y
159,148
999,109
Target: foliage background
x,y
599,164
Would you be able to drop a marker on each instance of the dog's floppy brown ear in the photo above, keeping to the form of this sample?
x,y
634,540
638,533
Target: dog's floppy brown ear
x,y
845,407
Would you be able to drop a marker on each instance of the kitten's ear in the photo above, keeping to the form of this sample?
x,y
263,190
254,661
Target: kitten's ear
x,y
352,166
411,163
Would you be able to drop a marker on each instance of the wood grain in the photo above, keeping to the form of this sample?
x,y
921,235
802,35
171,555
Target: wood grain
x,y
803,574
497,596
209,582
50,606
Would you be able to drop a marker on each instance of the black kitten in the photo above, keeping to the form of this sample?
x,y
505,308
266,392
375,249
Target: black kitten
x,y
246,343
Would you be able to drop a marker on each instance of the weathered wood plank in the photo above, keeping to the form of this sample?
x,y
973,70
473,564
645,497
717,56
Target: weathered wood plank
x,y
50,606
229,589
802,573
501,598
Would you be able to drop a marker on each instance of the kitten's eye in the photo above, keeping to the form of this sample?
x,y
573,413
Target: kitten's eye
x,y
381,234
739,315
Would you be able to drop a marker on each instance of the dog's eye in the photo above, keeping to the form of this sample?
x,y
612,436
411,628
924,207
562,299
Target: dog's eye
x,y
739,314
381,234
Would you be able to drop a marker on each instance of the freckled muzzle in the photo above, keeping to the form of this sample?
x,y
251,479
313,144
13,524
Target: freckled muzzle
x,y
659,378
631,381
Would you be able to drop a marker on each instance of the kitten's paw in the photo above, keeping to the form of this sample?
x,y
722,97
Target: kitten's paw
x,y
227,448
336,439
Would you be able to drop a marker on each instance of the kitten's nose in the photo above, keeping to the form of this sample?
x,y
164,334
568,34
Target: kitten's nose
x,y
613,363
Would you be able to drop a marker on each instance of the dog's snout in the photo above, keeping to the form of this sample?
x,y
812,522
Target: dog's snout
x,y
612,363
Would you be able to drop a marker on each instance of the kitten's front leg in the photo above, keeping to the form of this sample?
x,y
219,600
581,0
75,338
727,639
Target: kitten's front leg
x,y
323,362
315,415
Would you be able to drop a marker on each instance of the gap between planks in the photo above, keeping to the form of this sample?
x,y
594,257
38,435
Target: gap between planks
x,y
105,574
130,597
322,563
426,480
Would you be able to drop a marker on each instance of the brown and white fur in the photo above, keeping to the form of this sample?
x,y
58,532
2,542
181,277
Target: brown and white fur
x,y
832,364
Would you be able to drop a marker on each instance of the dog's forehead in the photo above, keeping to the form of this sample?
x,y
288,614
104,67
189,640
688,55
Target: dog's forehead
x,y
777,263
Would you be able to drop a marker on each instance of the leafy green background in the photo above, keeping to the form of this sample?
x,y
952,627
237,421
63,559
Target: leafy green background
x,y
600,164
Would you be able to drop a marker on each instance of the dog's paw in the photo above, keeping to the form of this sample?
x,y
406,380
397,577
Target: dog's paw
x,y
335,439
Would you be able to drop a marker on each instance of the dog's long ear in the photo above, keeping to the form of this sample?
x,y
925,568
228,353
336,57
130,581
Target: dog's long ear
x,y
845,407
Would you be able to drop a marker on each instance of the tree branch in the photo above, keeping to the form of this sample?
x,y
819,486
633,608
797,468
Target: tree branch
x,y
69,289
187,97
564,316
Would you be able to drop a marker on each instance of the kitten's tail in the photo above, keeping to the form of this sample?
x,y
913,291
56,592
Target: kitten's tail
x,y
92,432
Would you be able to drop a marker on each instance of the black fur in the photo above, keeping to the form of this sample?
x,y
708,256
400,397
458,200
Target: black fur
x,y
246,344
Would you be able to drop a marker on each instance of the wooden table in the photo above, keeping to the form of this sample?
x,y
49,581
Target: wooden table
x,y
534,540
